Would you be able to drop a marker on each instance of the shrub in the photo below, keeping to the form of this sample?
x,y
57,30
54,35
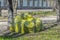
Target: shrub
x,y
26,23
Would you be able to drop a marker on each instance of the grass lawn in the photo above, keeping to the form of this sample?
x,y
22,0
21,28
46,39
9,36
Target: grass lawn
x,y
42,13
5,19
50,34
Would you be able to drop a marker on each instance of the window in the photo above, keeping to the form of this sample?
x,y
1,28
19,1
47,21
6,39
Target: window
x,y
44,3
40,3
2,2
18,3
27,4
35,3
31,3
24,2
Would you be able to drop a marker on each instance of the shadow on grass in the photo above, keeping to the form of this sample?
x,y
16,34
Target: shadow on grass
x,y
54,25
12,35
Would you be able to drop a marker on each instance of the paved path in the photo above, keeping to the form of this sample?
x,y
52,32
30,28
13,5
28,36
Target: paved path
x,y
3,27
49,19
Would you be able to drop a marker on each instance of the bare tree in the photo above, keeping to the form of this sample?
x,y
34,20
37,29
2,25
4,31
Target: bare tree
x,y
0,8
15,3
12,11
58,10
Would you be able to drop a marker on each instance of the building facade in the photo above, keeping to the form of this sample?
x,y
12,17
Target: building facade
x,y
30,4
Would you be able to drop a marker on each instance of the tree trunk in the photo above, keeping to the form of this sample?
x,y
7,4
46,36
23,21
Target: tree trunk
x,y
58,10
0,9
12,11
14,4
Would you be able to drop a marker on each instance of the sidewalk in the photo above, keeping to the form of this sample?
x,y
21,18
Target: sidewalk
x,y
50,19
